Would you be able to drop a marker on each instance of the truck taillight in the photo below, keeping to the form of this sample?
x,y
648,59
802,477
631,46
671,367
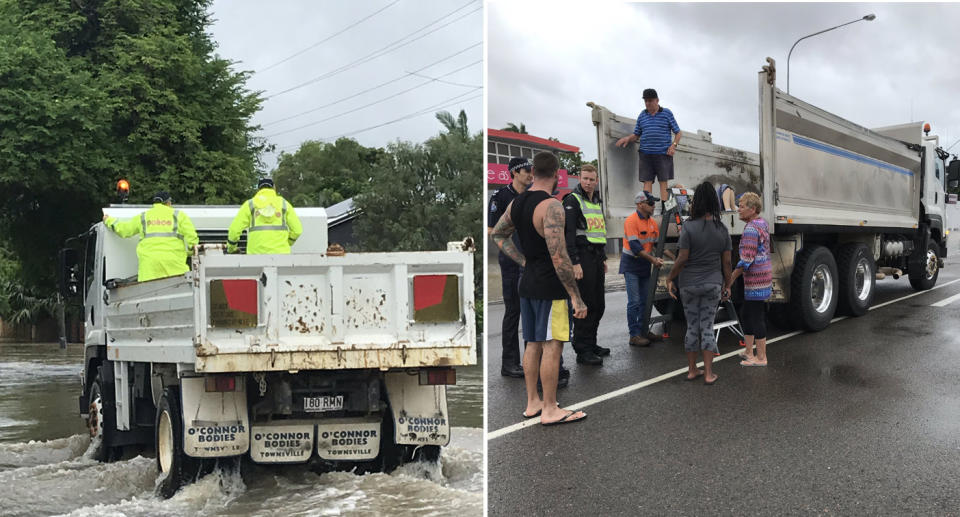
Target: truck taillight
x,y
434,376
213,383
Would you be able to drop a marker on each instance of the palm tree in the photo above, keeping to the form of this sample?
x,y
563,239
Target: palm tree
x,y
522,129
456,126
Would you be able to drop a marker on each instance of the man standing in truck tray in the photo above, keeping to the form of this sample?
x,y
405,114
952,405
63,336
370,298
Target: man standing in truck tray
x,y
521,175
656,145
167,237
640,233
271,223
545,286
586,238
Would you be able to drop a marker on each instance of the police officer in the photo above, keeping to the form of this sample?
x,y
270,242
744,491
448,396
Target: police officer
x,y
586,237
167,237
271,223
521,174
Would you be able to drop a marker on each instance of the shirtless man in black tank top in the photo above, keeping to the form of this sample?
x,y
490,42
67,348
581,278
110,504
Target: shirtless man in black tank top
x,y
546,287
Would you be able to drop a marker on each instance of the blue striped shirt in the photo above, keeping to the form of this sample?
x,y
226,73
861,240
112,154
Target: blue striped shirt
x,y
655,130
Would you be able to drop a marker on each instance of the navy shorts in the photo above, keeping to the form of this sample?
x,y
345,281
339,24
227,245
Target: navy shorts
x,y
545,320
659,166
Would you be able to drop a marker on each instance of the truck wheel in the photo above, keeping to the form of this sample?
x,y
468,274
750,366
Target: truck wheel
x,y
924,272
175,467
675,306
391,453
814,288
858,277
96,421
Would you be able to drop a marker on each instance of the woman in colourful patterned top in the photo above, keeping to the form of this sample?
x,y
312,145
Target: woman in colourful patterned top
x,y
757,278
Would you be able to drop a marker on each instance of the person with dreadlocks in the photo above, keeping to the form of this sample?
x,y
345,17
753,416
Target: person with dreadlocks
x,y
702,269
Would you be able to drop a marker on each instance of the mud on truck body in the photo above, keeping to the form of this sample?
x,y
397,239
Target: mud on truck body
x,y
339,361
844,202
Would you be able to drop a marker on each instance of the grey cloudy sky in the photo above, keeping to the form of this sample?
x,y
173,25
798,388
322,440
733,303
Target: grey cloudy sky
x,y
430,47
547,60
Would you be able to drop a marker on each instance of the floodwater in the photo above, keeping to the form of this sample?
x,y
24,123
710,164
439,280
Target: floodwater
x,y
45,470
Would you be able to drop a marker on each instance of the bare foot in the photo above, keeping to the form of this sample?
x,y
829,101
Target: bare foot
x,y
693,374
710,380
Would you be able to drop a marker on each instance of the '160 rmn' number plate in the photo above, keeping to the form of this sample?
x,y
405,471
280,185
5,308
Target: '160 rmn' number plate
x,y
323,403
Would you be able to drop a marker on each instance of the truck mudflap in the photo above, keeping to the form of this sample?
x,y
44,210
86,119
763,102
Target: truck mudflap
x,y
338,439
215,424
419,412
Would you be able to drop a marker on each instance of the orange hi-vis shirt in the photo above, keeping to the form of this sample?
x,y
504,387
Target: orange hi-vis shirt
x,y
639,234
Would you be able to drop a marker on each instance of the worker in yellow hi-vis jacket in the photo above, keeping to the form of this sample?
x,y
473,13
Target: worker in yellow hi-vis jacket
x,y
271,223
167,237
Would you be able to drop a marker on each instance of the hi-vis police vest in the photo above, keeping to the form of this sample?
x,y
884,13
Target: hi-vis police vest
x,y
596,231
166,238
271,223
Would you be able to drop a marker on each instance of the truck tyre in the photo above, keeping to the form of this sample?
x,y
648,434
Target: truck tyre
x,y
924,270
858,277
97,412
674,306
175,467
814,288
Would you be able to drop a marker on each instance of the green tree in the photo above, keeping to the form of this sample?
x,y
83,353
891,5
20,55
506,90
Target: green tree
x,y
323,174
522,129
422,196
94,91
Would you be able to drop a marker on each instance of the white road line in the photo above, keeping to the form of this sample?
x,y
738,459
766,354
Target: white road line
x,y
503,431
946,301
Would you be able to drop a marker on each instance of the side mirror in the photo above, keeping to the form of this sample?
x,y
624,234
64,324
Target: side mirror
x,y
953,174
69,279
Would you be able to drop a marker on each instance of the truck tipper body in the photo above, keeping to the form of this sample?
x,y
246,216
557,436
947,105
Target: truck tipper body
x,y
341,360
843,202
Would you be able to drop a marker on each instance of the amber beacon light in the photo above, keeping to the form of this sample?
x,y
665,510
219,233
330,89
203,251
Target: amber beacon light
x,y
123,190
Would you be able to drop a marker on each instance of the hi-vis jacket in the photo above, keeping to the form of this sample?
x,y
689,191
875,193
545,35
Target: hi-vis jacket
x,y
271,223
167,237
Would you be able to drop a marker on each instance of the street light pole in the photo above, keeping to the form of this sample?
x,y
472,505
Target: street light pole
x,y
869,18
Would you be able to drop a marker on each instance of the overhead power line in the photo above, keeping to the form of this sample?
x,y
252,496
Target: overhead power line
x,y
396,45
377,101
442,104
442,81
330,37
368,90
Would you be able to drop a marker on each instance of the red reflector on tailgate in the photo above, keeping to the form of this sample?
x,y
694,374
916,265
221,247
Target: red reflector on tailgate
x,y
428,290
436,298
220,383
241,295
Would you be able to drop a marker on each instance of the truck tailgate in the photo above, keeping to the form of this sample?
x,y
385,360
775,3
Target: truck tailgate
x,y
364,310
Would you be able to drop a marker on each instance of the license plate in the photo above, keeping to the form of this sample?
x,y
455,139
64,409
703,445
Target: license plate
x,y
323,403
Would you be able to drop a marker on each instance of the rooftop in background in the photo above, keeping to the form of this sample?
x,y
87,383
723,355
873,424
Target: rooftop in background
x,y
500,135
341,212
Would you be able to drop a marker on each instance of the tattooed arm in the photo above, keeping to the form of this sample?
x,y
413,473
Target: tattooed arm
x,y
553,233
502,233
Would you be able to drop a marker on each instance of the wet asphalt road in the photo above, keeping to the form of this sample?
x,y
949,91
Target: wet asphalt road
x,y
862,418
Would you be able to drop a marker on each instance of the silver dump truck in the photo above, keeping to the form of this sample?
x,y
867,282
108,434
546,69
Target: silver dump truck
x,y
340,361
844,202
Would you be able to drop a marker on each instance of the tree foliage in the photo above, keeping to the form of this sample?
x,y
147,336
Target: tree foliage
x,y
323,174
522,129
95,91
422,196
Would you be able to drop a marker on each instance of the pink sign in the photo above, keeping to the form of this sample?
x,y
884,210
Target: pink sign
x,y
499,173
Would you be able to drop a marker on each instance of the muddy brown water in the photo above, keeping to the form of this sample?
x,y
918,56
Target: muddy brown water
x,y
45,470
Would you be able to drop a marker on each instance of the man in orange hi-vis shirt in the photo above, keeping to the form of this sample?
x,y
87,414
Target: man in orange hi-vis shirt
x,y
640,233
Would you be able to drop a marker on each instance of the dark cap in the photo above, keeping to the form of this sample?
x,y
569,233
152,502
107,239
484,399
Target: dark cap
x,y
650,93
161,197
518,163
645,197
265,183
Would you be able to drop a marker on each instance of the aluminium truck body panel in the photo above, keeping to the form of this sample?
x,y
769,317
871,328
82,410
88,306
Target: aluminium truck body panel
x,y
697,159
829,171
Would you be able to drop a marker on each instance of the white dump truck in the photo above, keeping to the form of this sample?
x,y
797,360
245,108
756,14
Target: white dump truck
x,y
844,202
340,361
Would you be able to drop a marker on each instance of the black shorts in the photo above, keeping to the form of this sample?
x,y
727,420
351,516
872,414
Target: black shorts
x,y
659,166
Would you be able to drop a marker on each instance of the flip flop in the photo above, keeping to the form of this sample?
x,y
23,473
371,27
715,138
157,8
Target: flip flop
x,y
751,363
565,419
711,383
697,376
535,415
